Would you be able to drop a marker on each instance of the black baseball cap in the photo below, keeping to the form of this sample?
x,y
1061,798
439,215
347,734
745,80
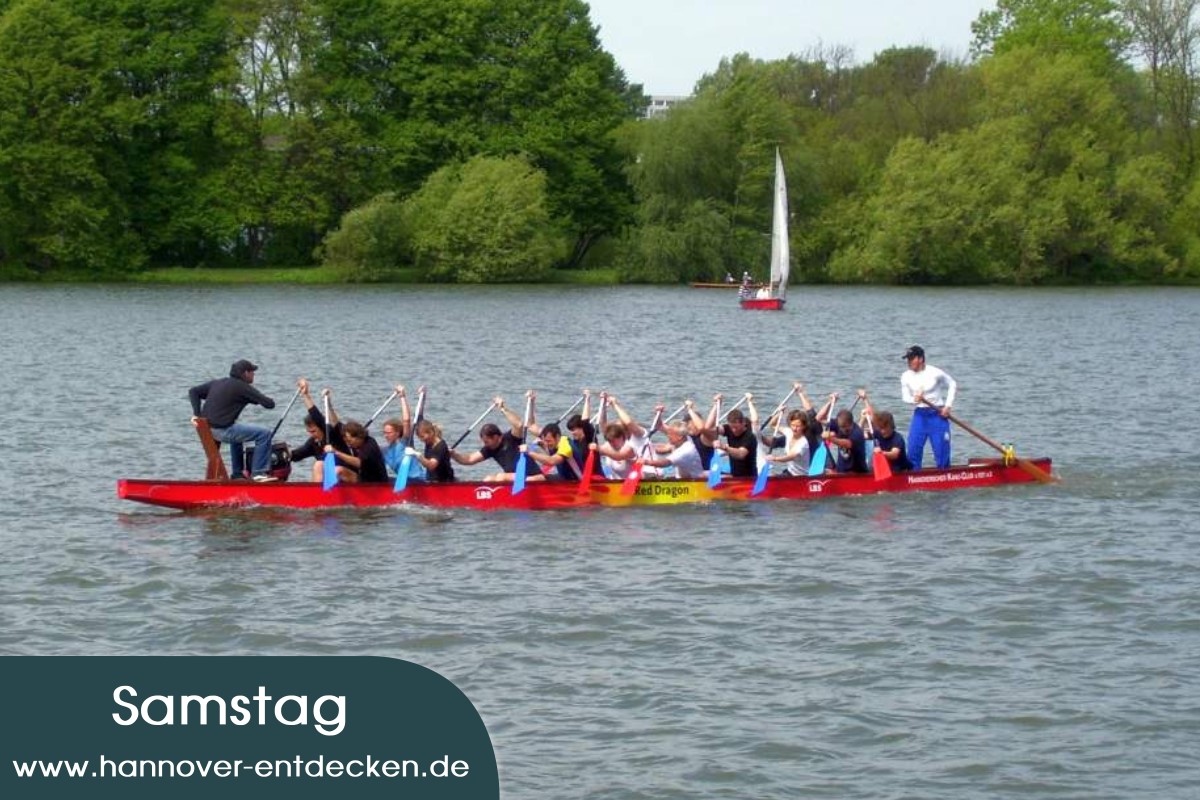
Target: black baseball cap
x,y
242,365
916,351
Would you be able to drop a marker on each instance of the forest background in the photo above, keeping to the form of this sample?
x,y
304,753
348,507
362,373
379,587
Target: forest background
x,y
496,141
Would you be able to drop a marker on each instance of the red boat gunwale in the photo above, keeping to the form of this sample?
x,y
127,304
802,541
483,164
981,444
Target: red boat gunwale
x,y
187,495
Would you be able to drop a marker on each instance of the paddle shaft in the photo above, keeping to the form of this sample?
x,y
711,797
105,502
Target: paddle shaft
x,y
1023,463
675,413
563,415
722,417
379,410
458,441
654,425
525,419
330,477
420,409
778,409
291,403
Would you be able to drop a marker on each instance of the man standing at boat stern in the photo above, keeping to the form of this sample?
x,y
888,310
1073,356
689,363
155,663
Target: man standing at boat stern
x,y
224,399
919,382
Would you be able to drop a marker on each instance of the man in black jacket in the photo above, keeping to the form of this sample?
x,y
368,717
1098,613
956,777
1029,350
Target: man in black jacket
x,y
224,399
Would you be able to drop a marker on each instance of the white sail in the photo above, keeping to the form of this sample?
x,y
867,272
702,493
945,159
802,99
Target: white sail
x,y
780,252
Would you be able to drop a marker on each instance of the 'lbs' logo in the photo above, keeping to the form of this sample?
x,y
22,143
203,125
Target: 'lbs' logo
x,y
484,492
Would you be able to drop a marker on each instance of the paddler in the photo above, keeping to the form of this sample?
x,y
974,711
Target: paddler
x,y
503,447
740,443
560,458
682,454
314,425
224,399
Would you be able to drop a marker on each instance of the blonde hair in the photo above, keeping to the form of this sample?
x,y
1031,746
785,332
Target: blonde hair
x,y
425,426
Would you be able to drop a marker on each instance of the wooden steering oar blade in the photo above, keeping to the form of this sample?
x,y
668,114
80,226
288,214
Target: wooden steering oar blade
x,y
1025,464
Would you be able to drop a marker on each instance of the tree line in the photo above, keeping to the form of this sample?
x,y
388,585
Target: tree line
x,y
493,140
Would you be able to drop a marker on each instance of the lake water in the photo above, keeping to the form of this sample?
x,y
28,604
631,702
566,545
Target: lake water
x,y
1030,641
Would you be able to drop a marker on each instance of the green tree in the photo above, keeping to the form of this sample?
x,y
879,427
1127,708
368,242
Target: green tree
x,y
1167,39
62,202
1045,188
486,221
371,242
710,159
689,249
408,85
1091,29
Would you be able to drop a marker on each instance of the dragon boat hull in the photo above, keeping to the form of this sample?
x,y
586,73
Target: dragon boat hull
x,y
538,495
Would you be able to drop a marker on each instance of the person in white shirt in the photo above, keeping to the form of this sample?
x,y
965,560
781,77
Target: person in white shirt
x,y
794,440
683,455
624,442
924,383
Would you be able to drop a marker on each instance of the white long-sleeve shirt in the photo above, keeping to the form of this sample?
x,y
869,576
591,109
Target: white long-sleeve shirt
x,y
932,383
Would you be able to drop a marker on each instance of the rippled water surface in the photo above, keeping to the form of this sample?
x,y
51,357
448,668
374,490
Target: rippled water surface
x,y
1021,642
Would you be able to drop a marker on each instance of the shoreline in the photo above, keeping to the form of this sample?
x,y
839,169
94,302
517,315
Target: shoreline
x,y
325,276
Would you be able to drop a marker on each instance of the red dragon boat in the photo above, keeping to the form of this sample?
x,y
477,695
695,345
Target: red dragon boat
x,y
538,495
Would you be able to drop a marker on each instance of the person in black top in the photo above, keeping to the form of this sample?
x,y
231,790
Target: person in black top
x,y
314,424
364,462
504,447
740,442
436,459
224,399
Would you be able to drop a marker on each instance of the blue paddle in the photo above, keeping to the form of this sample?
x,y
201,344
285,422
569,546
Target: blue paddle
x,y
817,465
760,482
714,463
406,462
329,478
519,475
764,466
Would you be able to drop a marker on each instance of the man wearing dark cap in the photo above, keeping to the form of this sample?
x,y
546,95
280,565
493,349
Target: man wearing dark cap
x,y
919,382
224,399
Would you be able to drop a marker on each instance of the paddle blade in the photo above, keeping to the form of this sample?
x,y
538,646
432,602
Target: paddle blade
x,y
417,471
589,467
330,477
880,465
817,465
630,484
761,482
519,475
714,473
1036,471
402,474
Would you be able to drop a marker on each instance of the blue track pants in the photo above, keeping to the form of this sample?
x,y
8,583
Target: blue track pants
x,y
929,425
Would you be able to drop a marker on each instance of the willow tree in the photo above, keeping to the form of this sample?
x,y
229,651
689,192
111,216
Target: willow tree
x,y
485,221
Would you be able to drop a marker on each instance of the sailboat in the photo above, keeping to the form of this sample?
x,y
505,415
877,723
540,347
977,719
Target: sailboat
x,y
773,296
